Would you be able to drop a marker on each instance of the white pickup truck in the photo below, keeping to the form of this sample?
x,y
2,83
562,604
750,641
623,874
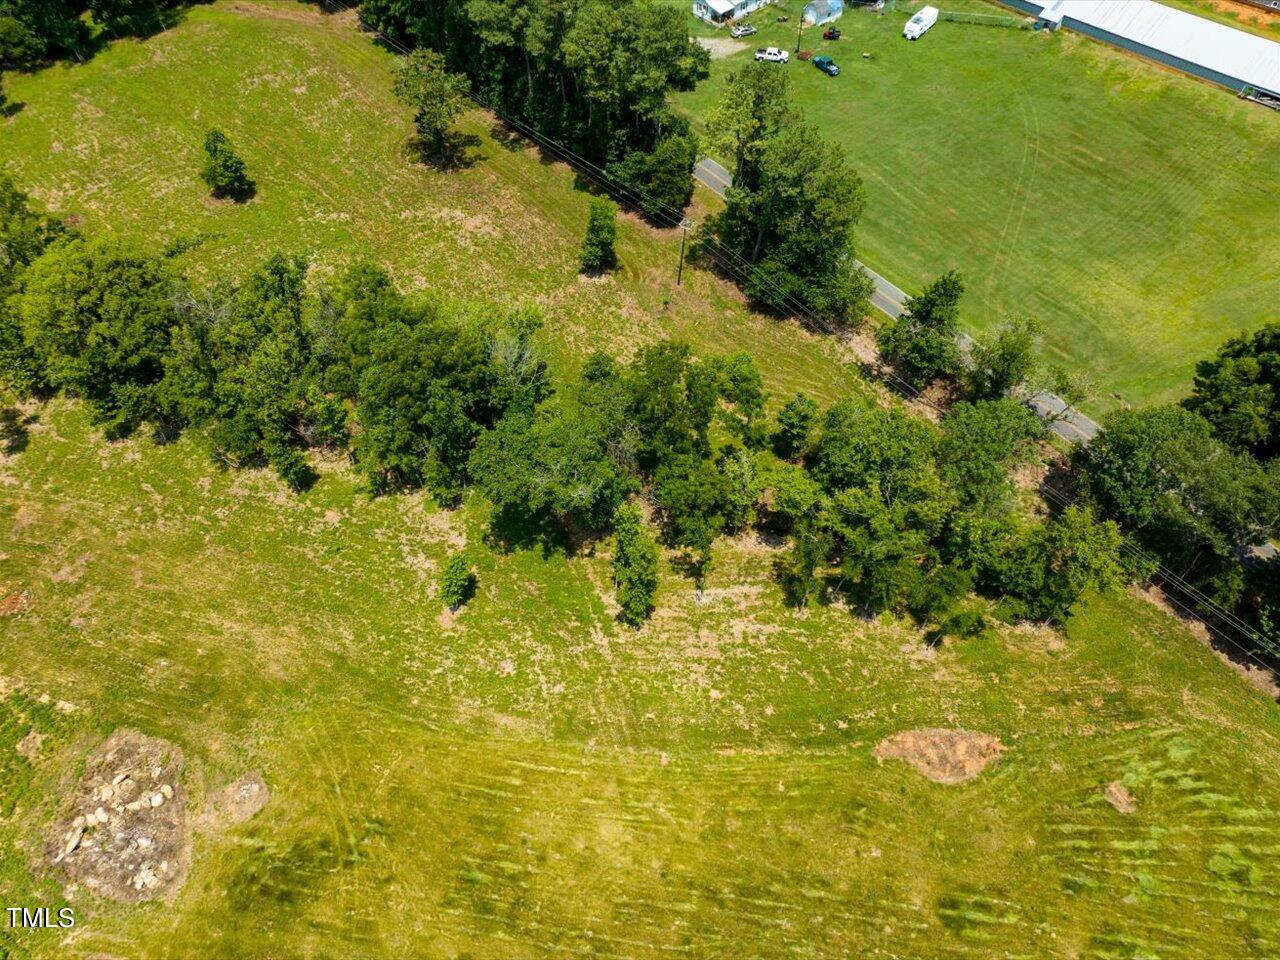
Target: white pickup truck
x,y
772,55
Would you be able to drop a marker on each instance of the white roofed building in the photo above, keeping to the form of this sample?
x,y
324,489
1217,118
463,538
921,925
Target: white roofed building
x,y
1203,48
718,11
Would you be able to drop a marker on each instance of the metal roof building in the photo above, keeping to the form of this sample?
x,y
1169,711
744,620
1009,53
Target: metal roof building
x,y
1204,48
823,11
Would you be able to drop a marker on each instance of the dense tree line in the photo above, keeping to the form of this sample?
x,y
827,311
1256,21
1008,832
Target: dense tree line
x,y
789,216
885,511
1195,487
34,31
593,75
1199,484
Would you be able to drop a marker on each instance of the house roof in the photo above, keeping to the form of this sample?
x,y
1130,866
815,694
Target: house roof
x,y
721,6
1243,56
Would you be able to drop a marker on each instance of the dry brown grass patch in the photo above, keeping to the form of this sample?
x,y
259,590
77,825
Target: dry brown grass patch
x,y
942,755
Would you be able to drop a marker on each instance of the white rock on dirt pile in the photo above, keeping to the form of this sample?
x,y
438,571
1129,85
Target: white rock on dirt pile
x,y
138,776
236,802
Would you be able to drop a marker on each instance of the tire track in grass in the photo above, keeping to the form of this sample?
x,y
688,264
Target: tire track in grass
x,y
999,245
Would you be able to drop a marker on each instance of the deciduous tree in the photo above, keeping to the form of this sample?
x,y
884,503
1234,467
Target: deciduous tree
x,y
597,252
224,172
922,341
436,95
1238,392
97,314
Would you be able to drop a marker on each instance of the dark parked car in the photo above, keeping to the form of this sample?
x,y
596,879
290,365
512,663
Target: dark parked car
x,y
827,66
831,33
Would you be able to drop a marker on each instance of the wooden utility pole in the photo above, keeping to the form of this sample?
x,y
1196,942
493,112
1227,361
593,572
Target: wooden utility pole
x,y
684,232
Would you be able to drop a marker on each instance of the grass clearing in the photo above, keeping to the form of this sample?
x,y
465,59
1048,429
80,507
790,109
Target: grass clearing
x,y
526,777
1130,207
117,144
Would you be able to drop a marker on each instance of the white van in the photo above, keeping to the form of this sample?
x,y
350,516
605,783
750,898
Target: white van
x,y
921,22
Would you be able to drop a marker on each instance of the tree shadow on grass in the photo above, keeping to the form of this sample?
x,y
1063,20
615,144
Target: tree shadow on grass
x,y
237,195
511,529
460,151
508,137
691,566
14,435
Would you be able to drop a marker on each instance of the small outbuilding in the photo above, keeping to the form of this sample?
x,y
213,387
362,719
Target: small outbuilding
x,y
823,11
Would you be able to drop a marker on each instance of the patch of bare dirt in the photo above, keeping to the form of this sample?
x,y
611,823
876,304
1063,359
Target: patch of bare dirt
x,y
294,12
29,746
1246,11
721,47
15,602
235,803
1119,797
942,755
123,831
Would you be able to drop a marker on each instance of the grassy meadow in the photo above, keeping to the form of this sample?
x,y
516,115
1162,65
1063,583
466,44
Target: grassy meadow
x,y
116,144
526,777
1131,208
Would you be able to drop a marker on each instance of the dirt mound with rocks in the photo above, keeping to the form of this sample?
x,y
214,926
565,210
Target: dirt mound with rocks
x,y
942,755
123,832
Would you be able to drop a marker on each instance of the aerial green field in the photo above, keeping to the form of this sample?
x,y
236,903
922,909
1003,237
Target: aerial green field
x,y
1129,207
526,777
116,144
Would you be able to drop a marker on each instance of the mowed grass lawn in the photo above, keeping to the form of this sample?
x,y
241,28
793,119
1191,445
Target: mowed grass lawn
x,y
1132,209
527,778
116,144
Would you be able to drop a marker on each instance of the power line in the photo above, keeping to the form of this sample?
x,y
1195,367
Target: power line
x,y
634,194
743,270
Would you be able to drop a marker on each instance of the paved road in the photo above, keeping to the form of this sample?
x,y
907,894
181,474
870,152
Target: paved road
x,y
1068,423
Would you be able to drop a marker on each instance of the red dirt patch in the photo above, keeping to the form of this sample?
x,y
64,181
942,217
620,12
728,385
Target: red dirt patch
x,y
15,602
942,755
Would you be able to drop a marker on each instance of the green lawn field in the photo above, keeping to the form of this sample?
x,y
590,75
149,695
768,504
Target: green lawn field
x,y
530,779
116,144
527,778
1131,208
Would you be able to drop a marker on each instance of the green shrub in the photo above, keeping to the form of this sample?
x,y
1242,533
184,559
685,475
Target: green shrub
x,y
457,581
223,171
635,565
602,230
